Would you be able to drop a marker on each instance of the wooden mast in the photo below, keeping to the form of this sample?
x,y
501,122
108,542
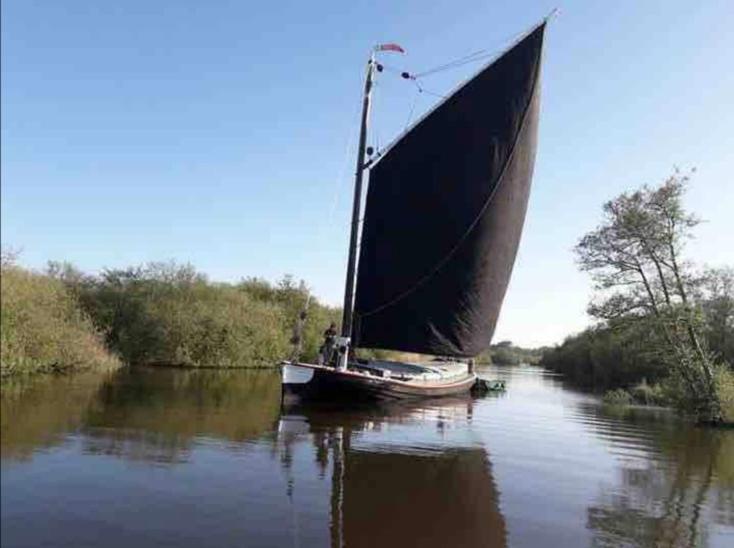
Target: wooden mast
x,y
347,315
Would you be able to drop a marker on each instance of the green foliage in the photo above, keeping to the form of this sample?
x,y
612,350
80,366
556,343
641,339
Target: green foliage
x,y
158,313
293,299
43,329
642,394
715,295
618,396
635,257
649,394
677,393
607,357
725,387
505,353
164,313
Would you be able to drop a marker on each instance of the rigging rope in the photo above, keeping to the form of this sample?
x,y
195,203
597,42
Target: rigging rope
x,y
480,54
421,89
476,56
412,109
416,78
342,171
373,108
472,57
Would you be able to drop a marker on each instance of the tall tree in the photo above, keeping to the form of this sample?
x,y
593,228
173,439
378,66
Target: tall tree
x,y
635,257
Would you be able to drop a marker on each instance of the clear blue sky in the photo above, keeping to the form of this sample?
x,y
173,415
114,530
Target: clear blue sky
x,y
222,132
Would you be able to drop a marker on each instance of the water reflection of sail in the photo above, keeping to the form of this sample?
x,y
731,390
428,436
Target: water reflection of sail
x,y
424,489
445,499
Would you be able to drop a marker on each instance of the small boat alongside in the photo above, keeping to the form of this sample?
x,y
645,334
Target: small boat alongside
x,y
430,260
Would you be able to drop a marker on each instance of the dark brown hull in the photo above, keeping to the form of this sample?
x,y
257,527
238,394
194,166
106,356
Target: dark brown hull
x,y
329,383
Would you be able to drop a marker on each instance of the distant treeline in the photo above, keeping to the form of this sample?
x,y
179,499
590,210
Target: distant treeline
x,y
623,354
606,357
621,361
155,314
505,353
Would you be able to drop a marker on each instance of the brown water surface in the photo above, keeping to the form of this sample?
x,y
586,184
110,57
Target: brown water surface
x,y
166,457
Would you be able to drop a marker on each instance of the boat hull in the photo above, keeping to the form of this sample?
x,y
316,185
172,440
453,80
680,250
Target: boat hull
x,y
320,382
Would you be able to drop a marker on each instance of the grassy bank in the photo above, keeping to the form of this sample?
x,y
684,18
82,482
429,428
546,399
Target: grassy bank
x,y
43,328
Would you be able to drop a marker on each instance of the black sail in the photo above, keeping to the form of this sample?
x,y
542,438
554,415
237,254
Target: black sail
x,y
444,214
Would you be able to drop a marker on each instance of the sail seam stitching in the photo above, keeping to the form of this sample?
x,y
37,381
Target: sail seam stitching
x,y
476,220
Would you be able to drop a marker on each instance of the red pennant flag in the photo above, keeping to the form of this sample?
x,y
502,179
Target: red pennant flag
x,y
389,47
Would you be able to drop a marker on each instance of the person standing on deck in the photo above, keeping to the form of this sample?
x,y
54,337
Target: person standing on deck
x,y
327,349
297,338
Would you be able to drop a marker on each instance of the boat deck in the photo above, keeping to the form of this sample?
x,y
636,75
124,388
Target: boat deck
x,y
412,371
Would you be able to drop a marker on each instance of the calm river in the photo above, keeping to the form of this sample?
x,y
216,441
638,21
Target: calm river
x,y
164,457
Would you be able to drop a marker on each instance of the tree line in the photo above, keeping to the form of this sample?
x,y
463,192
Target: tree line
x,y
155,314
506,353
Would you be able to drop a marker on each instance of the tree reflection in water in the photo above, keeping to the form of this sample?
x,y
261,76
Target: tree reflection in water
x,y
157,414
151,414
671,474
39,412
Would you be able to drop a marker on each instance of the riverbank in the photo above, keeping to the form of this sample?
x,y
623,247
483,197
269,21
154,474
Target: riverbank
x,y
44,330
165,314
64,320
620,366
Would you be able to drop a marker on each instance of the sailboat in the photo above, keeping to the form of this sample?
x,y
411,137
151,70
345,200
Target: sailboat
x,y
443,217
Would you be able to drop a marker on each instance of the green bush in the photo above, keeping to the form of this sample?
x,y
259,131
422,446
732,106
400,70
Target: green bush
x,y
292,299
43,329
678,396
648,394
164,313
725,388
618,396
607,357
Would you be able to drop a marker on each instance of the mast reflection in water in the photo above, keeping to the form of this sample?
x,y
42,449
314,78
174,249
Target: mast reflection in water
x,y
393,485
